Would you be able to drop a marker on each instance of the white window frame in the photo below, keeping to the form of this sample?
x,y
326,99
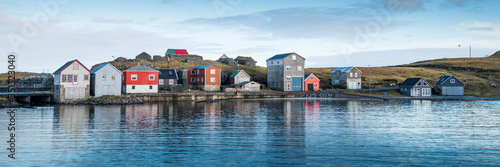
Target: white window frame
x,y
151,77
356,74
288,78
133,77
103,77
75,79
113,77
288,68
86,78
350,74
299,68
311,78
193,71
161,82
170,82
212,71
315,85
212,79
193,80
452,80
64,78
294,57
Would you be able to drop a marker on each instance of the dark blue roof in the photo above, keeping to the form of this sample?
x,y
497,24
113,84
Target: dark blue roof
x,y
307,76
67,64
202,67
98,68
444,78
168,74
280,56
342,69
410,82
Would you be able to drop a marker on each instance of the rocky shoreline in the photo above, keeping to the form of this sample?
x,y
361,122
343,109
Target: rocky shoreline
x,y
106,101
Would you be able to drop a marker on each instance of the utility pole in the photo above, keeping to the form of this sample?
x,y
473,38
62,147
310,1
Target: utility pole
x,y
369,80
470,56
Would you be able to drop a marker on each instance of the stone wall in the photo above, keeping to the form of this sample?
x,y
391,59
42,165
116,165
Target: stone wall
x,y
228,61
186,58
160,58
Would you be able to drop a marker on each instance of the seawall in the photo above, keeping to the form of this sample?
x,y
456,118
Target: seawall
x,y
210,96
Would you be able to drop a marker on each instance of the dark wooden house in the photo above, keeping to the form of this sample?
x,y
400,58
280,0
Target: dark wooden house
x,y
167,78
450,85
416,87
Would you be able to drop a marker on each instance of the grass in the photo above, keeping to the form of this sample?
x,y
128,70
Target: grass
x,y
485,63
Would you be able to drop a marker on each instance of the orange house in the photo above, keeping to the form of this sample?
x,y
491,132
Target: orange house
x,y
311,82
205,77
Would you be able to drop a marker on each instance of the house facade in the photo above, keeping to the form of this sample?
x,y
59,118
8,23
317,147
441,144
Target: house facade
x,y
450,85
416,87
346,77
311,82
140,79
167,78
105,79
238,77
249,86
285,72
183,76
205,77
71,82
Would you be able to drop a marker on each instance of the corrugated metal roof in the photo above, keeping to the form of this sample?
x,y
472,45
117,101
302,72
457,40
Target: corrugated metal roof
x,y
444,78
342,69
410,82
235,73
280,56
140,68
58,71
168,74
177,51
202,67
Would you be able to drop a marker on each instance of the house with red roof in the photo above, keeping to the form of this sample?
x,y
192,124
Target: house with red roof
x,y
311,82
140,79
205,77
71,82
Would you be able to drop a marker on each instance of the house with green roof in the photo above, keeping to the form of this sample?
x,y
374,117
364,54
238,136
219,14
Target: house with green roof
x,y
238,77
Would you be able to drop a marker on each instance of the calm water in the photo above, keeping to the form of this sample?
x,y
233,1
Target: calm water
x,y
287,132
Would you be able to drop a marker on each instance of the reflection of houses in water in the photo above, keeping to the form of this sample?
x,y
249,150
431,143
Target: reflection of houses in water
x,y
422,105
294,117
143,116
353,111
212,114
312,115
72,119
246,109
107,117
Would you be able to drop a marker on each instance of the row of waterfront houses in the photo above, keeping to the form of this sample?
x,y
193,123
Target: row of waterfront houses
x,y
285,72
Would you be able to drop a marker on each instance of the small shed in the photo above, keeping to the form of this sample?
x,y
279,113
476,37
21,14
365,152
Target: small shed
x,y
450,85
105,79
311,82
416,87
249,86
238,77
167,78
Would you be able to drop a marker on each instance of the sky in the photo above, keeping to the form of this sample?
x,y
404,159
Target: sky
x,y
45,34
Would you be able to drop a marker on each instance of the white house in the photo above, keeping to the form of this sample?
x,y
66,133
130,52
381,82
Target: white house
x,y
71,82
105,79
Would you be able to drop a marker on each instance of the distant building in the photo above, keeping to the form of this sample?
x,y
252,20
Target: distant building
x,y
238,77
71,82
183,56
205,77
140,79
311,82
249,86
105,79
143,56
285,72
226,60
416,87
450,85
177,52
167,78
248,61
346,77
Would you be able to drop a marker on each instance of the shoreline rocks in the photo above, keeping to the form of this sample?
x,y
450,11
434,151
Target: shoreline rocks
x,y
106,101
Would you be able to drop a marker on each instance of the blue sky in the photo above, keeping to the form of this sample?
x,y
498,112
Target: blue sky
x,y
328,33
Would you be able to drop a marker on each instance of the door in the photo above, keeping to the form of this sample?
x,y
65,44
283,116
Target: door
x,y
310,87
352,85
297,84
105,90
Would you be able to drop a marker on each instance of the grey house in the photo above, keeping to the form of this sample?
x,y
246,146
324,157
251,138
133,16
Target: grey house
x,y
346,77
105,79
167,78
183,76
285,72
416,87
238,77
450,85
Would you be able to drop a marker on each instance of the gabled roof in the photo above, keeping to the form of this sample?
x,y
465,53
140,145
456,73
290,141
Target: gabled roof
x,y
103,65
344,69
410,82
140,68
144,54
243,58
58,71
223,56
168,74
281,56
308,75
237,72
445,78
177,51
203,67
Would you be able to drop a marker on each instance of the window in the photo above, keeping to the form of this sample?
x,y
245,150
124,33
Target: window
x,y
288,86
351,74
70,78
134,77
212,71
197,71
356,75
312,78
425,84
160,82
419,84
103,76
288,78
75,66
192,80
271,62
294,57
170,72
152,77
113,77
299,68
288,68
315,85
150,87
193,72
133,87
86,77
63,78
75,78
212,79
426,92
197,79
171,82
452,80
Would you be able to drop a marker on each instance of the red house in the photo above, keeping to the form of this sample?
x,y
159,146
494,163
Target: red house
x,y
311,82
140,79
205,77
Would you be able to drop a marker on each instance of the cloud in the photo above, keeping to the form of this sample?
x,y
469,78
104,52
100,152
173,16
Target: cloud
x,y
399,5
112,20
481,29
